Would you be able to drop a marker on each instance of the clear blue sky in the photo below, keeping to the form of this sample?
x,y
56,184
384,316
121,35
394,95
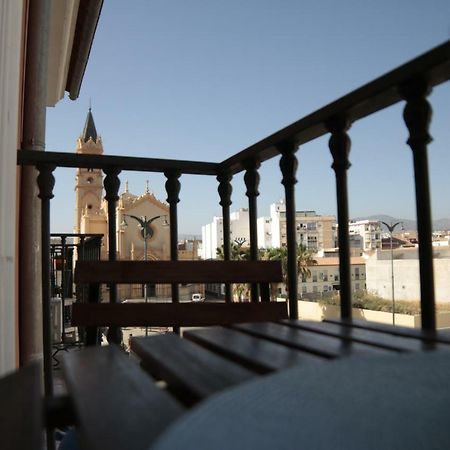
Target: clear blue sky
x,y
201,80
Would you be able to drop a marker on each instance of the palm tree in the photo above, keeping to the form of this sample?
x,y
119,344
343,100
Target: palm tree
x,y
304,260
237,253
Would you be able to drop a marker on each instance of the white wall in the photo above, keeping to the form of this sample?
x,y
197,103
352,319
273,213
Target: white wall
x,y
264,227
239,224
212,238
275,209
11,12
406,278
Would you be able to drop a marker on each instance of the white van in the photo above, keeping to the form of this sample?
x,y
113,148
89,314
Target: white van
x,y
197,297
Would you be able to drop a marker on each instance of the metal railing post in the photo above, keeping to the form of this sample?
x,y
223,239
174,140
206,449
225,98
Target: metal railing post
x,y
173,187
417,116
288,166
251,179
225,190
112,185
339,144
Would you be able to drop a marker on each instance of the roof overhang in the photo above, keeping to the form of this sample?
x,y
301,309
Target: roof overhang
x,y
72,28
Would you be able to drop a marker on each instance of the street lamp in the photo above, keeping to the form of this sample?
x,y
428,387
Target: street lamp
x,y
391,227
147,232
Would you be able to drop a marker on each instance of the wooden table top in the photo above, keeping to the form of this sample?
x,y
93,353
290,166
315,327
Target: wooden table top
x,y
118,405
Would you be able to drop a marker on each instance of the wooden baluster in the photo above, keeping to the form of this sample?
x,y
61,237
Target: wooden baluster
x,y
173,187
339,144
288,166
46,183
112,185
251,179
417,116
225,190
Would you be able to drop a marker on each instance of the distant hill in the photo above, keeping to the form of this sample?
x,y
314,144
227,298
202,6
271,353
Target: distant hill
x,y
441,224
408,225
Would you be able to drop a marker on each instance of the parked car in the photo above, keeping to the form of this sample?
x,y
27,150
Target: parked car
x,y
197,297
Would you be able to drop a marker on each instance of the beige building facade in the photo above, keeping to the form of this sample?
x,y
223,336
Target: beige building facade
x,y
312,230
325,276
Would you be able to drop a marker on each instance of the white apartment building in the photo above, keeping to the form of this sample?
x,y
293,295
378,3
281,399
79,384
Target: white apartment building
x,y
239,227
212,233
264,227
212,238
313,231
441,238
369,231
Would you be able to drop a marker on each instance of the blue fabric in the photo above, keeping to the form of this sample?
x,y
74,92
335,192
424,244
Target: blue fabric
x,y
394,402
70,441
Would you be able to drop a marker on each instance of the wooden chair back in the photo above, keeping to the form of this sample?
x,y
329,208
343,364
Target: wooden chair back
x,y
94,273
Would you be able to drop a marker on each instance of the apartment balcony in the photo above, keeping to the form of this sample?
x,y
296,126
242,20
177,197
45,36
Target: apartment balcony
x,y
113,404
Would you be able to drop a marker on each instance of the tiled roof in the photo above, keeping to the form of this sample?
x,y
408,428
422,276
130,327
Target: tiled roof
x,y
334,261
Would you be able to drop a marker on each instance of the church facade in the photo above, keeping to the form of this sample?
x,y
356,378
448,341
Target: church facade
x,y
132,240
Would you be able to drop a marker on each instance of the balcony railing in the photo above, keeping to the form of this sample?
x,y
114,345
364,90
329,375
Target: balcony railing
x,y
410,83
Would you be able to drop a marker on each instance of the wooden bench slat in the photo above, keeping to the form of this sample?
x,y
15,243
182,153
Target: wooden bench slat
x,y
178,272
369,337
190,371
255,354
21,410
411,333
175,314
326,346
117,405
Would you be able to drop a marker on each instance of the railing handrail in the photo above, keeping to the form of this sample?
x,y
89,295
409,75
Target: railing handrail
x,y
131,163
382,93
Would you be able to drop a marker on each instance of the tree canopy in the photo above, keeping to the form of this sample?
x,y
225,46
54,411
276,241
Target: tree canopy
x,y
305,259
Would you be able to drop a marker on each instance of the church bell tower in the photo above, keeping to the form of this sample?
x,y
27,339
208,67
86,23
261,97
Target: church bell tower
x,y
88,182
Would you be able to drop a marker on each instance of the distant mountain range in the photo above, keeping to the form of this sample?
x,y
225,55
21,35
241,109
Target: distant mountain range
x,y
408,225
